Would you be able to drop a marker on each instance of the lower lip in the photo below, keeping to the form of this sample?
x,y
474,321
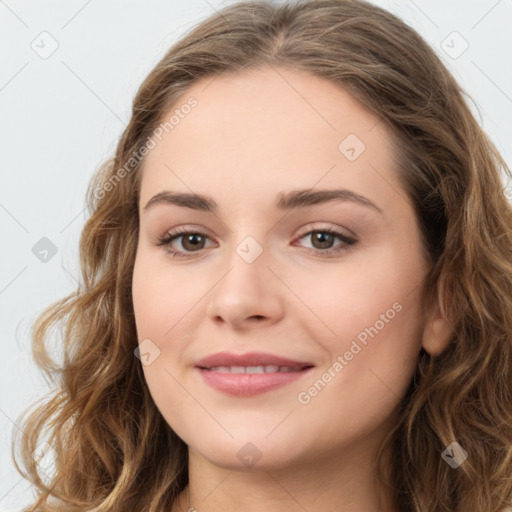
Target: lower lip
x,y
249,384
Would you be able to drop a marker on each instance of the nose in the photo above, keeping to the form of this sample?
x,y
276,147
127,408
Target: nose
x,y
247,295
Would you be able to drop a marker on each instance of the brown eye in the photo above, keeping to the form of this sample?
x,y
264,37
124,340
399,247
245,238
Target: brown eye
x,y
192,241
322,240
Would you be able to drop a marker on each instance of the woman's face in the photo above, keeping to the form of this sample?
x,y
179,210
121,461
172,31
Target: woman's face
x,y
253,276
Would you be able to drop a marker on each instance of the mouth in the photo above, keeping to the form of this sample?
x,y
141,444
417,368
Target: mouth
x,y
250,374
255,369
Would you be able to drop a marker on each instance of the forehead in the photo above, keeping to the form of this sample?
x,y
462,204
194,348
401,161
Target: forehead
x,y
267,129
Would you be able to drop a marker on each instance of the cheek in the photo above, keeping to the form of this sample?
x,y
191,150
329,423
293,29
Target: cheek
x,y
349,295
368,320
362,384
161,296
166,304
163,329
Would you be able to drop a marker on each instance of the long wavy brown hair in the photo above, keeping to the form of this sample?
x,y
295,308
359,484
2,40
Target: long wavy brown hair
x,y
113,451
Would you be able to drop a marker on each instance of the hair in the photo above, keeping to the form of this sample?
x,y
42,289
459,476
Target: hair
x,y
109,438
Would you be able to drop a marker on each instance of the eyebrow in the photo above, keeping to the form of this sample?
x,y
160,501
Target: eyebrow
x,y
286,200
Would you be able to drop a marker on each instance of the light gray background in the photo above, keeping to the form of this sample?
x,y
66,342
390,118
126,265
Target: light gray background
x,y
61,116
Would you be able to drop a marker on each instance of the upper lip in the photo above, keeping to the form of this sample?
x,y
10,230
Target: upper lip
x,y
249,359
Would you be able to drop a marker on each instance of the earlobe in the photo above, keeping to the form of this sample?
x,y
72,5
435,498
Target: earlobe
x,y
436,333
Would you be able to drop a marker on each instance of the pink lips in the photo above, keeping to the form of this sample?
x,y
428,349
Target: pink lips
x,y
247,384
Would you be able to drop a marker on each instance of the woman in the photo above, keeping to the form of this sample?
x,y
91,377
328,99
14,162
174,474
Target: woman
x,y
370,369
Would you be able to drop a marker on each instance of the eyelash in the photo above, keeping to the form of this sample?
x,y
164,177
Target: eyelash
x,y
167,239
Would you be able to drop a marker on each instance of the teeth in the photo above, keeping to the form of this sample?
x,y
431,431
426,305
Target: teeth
x,y
253,369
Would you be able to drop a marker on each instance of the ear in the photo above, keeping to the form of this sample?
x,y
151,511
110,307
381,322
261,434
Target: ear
x,y
437,332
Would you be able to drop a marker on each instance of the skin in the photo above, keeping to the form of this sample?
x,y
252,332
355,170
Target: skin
x,y
251,136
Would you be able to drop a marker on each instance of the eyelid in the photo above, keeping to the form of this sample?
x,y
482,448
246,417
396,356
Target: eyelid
x,y
303,231
329,227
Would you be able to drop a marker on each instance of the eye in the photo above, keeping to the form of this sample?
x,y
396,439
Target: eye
x,y
323,238
194,241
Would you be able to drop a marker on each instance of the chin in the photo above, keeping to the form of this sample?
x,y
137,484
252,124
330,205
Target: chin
x,y
252,454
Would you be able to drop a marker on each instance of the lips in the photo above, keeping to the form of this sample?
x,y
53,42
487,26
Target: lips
x,y
250,374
